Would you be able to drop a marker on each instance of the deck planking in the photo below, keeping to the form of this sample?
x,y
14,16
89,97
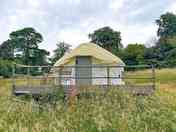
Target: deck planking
x,y
134,89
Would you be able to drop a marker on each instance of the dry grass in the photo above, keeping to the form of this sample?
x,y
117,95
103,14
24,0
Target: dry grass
x,y
163,76
117,111
168,87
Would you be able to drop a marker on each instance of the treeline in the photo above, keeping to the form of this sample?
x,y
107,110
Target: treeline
x,y
23,47
162,53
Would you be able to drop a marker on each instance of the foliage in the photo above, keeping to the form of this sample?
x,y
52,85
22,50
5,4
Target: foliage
x,y
133,54
39,57
26,41
22,47
7,50
107,38
161,53
167,25
61,49
166,46
150,55
5,68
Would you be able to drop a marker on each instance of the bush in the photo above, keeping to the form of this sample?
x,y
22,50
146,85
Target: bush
x,y
6,68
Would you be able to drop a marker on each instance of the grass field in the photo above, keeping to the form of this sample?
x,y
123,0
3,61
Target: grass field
x,y
115,112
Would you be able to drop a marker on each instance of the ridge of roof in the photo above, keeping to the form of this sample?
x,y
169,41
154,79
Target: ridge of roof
x,y
90,49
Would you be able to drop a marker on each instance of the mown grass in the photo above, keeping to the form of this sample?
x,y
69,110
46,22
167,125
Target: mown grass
x,y
112,112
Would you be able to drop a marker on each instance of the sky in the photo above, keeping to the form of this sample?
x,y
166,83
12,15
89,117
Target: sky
x,y
72,20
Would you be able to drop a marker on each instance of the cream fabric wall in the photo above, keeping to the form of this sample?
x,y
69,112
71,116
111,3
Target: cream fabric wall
x,y
96,72
102,72
99,72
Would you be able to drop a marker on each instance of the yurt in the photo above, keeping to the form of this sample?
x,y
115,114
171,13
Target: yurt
x,y
89,64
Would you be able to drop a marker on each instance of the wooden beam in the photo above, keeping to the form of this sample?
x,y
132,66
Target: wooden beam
x,y
87,66
108,78
153,77
60,74
13,77
28,76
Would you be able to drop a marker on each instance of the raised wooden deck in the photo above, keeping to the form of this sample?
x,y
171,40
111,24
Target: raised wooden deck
x,y
23,90
134,89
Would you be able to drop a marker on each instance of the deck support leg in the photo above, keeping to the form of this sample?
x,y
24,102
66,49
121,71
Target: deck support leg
x,y
153,76
13,78
60,74
108,79
28,74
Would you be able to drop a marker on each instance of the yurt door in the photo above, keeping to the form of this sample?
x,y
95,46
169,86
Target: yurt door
x,y
83,73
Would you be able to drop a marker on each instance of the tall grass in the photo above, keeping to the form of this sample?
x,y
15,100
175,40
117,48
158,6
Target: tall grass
x,y
162,75
111,112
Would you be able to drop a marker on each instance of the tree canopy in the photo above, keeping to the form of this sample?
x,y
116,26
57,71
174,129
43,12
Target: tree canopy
x,y
61,49
22,47
166,25
26,41
133,54
166,45
7,50
107,38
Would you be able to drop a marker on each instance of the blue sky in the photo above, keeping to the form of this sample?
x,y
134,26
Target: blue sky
x,y
72,20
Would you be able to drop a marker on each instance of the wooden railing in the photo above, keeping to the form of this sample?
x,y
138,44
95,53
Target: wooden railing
x,y
46,79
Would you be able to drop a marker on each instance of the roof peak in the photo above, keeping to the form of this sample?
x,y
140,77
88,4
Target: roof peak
x,y
90,49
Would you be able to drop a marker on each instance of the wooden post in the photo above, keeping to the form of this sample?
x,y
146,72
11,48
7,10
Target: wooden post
x,y
153,76
108,79
28,74
60,74
13,78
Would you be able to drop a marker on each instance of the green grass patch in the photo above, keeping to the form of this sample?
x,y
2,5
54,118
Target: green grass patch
x,y
161,75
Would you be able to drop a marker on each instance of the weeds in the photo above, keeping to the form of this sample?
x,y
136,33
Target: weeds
x,y
96,112
116,111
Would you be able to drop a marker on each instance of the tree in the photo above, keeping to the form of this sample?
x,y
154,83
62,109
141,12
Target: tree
x,y
26,40
167,25
166,32
5,68
39,57
61,49
22,47
167,39
133,54
167,51
107,38
7,50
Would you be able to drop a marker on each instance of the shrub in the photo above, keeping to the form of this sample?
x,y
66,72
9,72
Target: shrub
x,y
5,68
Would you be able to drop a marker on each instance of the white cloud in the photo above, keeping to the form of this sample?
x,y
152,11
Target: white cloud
x,y
73,37
172,7
34,3
76,2
72,20
138,33
115,5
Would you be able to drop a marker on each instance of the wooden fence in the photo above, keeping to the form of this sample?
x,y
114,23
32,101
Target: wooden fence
x,y
37,79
